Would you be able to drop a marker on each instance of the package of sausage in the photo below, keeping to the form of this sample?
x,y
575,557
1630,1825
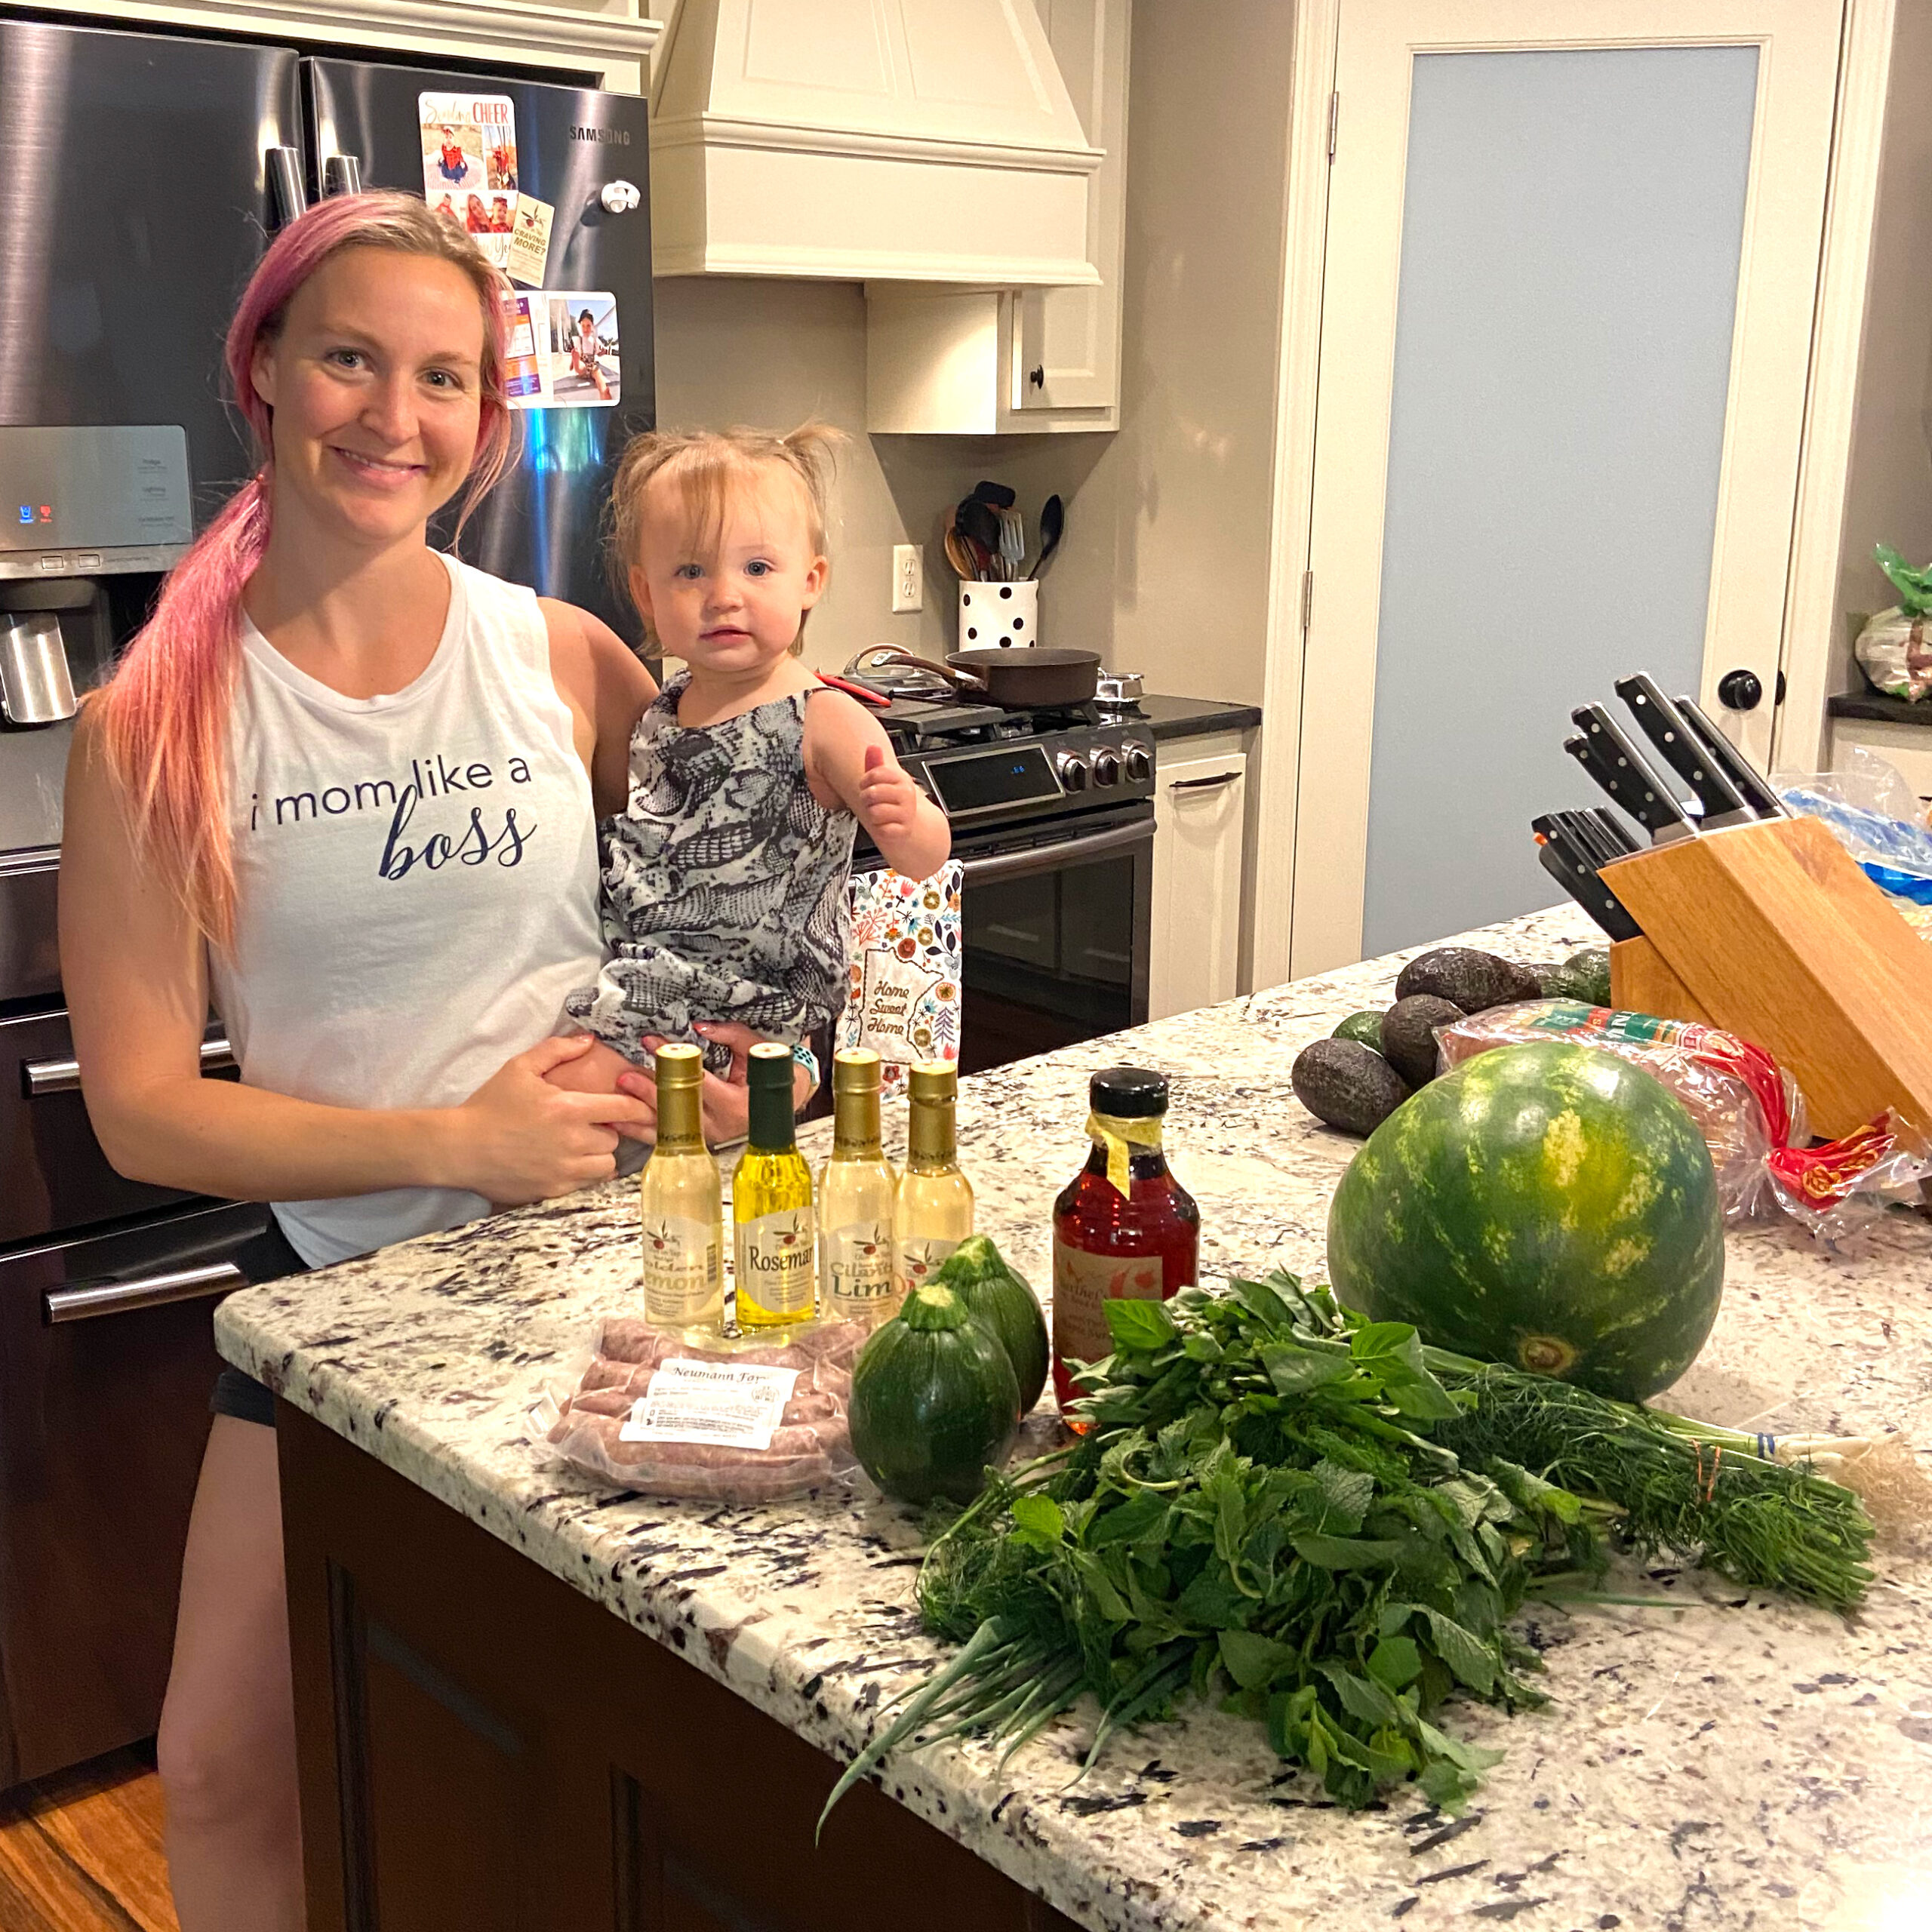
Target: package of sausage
x,y
1748,1108
736,1420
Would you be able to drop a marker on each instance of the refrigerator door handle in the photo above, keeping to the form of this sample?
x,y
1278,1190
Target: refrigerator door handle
x,y
85,1303
342,174
288,194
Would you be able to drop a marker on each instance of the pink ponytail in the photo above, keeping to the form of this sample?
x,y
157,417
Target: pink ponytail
x,y
163,718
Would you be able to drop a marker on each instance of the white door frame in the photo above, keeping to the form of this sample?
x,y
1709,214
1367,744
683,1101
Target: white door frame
x,y
1811,593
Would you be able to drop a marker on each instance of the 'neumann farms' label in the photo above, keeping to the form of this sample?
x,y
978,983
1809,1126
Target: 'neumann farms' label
x,y
684,1273
735,1405
774,1261
921,1257
1083,1285
855,1265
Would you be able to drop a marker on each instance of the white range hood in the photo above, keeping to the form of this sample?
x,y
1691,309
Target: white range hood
x,y
921,141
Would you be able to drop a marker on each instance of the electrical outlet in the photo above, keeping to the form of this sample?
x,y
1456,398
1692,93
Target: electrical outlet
x,y
908,589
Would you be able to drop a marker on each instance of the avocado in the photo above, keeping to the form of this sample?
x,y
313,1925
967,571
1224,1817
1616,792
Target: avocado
x,y
1347,1085
1472,980
1583,976
1365,1026
1408,1035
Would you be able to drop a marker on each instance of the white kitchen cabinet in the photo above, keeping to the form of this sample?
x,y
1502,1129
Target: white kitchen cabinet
x,y
608,38
1200,808
991,361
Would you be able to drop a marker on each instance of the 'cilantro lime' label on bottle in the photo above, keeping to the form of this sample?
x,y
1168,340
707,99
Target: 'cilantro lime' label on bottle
x,y
774,1261
921,1257
1083,1285
855,1268
684,1274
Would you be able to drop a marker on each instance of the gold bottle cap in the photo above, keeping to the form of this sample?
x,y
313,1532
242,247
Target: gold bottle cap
x,y
934,1080
680,1064
854,1070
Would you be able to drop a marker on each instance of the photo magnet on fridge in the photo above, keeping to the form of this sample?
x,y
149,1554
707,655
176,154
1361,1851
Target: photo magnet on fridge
x,y
470,167
564,348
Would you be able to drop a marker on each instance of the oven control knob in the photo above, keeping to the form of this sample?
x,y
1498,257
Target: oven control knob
x,y
1106,768
1071,769
1140,761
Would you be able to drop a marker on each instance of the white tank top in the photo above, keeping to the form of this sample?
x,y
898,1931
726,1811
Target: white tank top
x,y
418,882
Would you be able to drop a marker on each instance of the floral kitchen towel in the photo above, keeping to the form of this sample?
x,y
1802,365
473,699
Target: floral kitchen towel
x,y
903,1000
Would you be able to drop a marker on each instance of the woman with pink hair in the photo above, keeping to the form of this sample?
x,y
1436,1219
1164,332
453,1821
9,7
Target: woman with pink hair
x,y
345,784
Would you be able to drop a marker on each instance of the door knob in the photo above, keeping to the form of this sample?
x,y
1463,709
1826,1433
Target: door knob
x,y
1740,691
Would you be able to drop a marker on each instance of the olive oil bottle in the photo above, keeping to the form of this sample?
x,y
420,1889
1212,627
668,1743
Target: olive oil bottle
x,y
771,1202
933,1213
682,1204
856,1279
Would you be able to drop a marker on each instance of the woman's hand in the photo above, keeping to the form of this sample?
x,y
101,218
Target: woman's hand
x,y
519,1138
723,1100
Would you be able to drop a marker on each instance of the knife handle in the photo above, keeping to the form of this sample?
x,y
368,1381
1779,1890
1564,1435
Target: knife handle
x,y
1746,779
1621,771
1560,859
1683,751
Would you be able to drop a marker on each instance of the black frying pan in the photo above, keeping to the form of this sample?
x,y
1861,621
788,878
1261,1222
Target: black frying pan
x,y
1016,680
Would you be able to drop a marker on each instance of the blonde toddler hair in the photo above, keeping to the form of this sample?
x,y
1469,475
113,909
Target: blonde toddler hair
x,y
709,466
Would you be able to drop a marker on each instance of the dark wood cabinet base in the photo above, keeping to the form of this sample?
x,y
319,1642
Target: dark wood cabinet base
x,y
482,1746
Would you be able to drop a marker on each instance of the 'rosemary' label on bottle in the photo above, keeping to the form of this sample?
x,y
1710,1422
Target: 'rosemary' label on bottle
x,y
857,1260
683,1271
774,1261
922,1256
735,1405
1083,1282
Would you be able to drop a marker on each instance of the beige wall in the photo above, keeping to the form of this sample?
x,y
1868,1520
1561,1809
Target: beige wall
x,y
1888,494
1184,492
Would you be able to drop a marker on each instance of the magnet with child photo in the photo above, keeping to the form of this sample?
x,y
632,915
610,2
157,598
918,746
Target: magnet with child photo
x,y
583,349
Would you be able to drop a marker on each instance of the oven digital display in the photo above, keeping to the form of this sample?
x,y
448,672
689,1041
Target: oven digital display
x,y
976,782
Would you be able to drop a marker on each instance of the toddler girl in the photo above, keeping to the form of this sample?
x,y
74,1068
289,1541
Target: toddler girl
x,y
724,878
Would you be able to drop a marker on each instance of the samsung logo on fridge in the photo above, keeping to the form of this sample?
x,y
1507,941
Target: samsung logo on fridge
x,y
616,137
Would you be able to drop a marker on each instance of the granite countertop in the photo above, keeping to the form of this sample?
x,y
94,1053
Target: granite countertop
x,y
1169,718
1737,1762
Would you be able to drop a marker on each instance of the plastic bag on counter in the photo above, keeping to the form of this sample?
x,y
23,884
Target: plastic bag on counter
x,y
737,1419
1748,1108
1875,815
1893,650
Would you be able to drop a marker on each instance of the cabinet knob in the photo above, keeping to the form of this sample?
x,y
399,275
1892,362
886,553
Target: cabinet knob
x,y
1037,375
1740,691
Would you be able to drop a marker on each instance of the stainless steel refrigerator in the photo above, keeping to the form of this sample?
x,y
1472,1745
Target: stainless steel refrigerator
x,y
140,175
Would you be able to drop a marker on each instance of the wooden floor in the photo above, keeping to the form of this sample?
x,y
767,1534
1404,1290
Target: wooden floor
x,y
81,1852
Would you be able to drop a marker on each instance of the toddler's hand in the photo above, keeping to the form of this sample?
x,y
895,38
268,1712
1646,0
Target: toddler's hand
x,y
888,800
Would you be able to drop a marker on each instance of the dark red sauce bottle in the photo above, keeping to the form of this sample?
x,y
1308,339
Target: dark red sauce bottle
x,y
1124,1227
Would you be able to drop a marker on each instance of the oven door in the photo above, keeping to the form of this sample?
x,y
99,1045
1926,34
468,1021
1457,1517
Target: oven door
x,y
1055,934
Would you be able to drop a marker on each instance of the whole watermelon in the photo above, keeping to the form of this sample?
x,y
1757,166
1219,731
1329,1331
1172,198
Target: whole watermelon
x,y
1547,1205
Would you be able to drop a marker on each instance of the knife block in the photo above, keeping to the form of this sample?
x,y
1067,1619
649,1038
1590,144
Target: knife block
x,y
1640,981
1771,931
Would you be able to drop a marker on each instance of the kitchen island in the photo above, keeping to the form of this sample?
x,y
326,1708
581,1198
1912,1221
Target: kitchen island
x,y
1733,1761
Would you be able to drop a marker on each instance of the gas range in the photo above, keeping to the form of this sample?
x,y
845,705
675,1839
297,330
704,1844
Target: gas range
x,y
990,768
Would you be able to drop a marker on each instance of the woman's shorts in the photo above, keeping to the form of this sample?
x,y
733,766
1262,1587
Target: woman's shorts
x,y
267,1258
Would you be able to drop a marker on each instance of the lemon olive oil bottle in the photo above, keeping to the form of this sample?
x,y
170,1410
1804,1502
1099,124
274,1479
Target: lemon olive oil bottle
x,y
682,1204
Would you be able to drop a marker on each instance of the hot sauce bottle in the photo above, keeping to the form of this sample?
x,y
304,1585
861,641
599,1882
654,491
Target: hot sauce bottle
x,y
1125,1228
